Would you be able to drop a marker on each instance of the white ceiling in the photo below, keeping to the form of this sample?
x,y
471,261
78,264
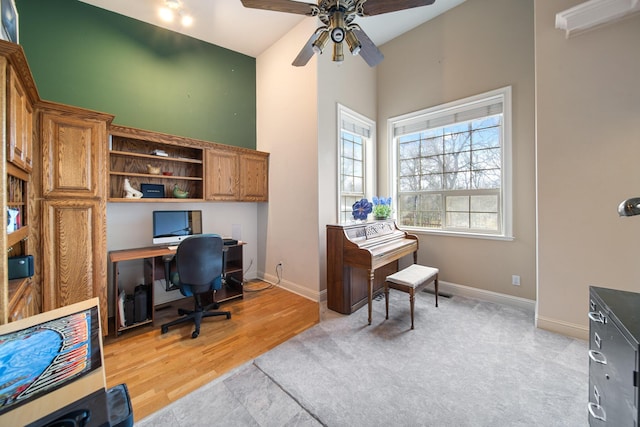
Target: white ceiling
x,y
228,24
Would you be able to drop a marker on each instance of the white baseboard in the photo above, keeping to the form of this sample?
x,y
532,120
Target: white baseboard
x,y
482,294
564,328
290,286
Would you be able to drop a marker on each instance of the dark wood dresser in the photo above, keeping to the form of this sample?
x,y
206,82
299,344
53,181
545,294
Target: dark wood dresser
x,y
614,348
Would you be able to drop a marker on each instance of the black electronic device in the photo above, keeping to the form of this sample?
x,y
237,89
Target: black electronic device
x,y
20,267
229,242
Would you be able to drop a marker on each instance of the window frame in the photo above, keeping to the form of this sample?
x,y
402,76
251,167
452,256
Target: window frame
x,y
369,157
505,214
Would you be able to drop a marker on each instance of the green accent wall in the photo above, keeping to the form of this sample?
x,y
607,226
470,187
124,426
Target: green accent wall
x,y
148,77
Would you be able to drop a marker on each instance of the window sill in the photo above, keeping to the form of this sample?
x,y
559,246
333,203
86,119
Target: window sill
x,y
422,231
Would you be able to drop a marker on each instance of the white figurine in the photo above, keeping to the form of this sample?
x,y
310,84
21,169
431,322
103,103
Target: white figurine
x,y
132,193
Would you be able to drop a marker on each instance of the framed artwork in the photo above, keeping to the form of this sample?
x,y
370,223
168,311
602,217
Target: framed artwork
x,y
9,20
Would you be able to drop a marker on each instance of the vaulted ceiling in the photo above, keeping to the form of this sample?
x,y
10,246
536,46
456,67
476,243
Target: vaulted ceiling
x,y
228,24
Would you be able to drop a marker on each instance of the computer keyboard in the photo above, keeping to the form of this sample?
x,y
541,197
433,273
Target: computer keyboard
x,y
172,248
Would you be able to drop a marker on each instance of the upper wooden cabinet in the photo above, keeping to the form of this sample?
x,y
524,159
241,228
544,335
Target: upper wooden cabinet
x,y
74,152
20,123
254,177
237,175
222,175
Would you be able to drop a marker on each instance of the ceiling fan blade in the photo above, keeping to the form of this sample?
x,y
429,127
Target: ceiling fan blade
x,y
288,6
306,53
369,52
376,7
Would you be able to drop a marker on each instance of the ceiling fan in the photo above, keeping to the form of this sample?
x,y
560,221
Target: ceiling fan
x,y
337,17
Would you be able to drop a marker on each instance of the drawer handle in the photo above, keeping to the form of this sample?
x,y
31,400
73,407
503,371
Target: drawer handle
x,y
597,357
597,340
593,407
597,317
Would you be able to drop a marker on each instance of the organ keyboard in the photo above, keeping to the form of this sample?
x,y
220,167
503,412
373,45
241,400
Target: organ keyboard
x,y
359,258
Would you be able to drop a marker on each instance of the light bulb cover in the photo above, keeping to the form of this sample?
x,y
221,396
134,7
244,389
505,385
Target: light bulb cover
x,y
353,42
319,43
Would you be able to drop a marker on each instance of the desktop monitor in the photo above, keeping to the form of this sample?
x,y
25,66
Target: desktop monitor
x,y
171,227
48,361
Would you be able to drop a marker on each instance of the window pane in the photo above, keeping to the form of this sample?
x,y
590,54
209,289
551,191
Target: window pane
x,y
431,165
458,203
486,159
486,138
484,203
484,221
457,220
432,146
358,186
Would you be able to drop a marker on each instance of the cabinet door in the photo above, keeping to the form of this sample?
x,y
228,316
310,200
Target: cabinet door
x,y
254,177
74,264
74,156
20,143
222,175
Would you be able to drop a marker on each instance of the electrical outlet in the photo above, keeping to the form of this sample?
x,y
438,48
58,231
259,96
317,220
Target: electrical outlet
x,y
515,280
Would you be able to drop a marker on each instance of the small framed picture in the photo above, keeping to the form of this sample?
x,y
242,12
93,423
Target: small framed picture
x,y
9,20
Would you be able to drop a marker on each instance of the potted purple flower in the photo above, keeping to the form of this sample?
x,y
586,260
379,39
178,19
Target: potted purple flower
x,y
381,207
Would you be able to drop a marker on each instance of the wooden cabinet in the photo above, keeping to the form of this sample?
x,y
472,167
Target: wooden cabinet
x,y
20,123
254,177
614,357
222,181
18,96
237,175
74,247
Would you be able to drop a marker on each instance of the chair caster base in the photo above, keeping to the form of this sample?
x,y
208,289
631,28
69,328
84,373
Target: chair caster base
x,y
165,329
195,334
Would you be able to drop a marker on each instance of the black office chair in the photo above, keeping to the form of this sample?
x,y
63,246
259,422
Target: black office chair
x,y
199,261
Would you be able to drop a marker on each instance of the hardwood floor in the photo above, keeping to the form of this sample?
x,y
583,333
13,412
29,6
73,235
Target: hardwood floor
x,y
160,368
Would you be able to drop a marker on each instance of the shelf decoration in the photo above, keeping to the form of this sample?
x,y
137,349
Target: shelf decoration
x,y
131,193
153,170
178,193
381,207
361,209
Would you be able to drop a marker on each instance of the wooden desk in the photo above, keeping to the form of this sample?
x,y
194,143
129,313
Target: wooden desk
x,y
154,270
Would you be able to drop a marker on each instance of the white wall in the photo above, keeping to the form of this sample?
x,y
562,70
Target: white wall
x,y
287,128
588,147
297,116
473,48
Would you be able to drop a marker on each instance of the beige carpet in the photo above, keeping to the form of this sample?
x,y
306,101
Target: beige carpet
x,y
467,363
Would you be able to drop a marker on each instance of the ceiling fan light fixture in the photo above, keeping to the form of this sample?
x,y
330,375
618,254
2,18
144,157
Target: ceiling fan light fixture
x,y
319,43
353,42
338,55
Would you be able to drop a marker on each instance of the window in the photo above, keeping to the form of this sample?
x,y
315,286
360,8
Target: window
x,y
452,166
356,136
